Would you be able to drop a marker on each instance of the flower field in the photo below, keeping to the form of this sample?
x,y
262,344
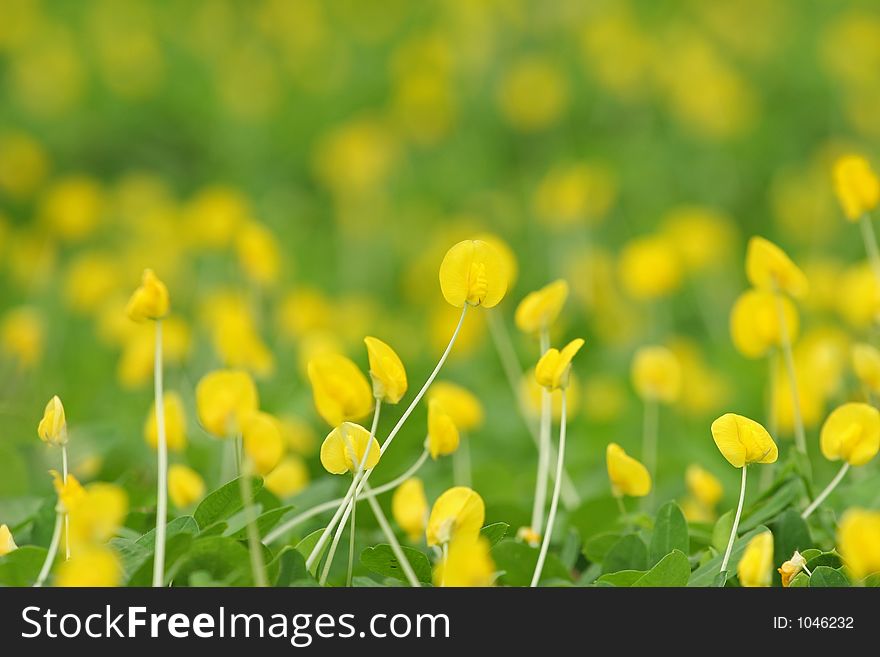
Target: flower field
x,y
504,293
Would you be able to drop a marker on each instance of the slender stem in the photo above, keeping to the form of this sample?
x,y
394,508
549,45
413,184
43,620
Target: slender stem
x,y
64,470
325,536
513,373
236,453
332,504
354,499
53,548
255,546
351,534
621,506
649,442
382,519
461,463
825,493
554,502
162,450
799,436
739,508
540,501
871,245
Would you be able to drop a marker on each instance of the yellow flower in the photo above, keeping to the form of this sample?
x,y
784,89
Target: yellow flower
x,y
386,370
459,512
468,563
185,485
539,309
858,296
703,237
533,94
743,441
656,374
224,399
866,363
851,433
138,354
95,566
769,268
258,253
52,428
150,300
340,389
528,536
856,185
703,485
22,334
299,436
754,322
628,476
409,506
443,435
288,478
553,369
73,207
649,267
96,515
756,566
90,281
534,391
261,441
473,273
175,424
791,568
858,541
502,248
344,447
7,544
70,493
461,404
575,194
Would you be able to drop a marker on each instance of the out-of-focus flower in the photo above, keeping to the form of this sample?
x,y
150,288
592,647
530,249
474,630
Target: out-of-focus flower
x,y
91,280
52,428
856,185
605,398
175,424
866,363
7,544
93,567
791,568
532,391
533,94
754,322
743,441
23,164
70,492
755,569
576,194
628,476
258,253
858,540
299,436
97,515
22,335
344,448
473,273
528,536
136,363
386,370
703,389
355,158
185,485
409,506
261,441
649,267
288,478
851,433
303,312
539,309
858,296
457,513
468,563
703,237
73,207
235,335
443,435
213,217
340,390
554,368
656,374
769,268
150,300
705,487
224,400
463,406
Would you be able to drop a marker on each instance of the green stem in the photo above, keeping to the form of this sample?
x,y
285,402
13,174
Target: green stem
x,y
255,546
162,468
554,502
540,500
870,240
53,548
825,493
733,530
392,540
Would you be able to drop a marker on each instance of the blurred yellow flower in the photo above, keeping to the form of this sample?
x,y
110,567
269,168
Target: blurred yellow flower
x,y
866,363
532,391
443,435
605,398
91,280
575,194
528,536
409,506
175,424
386,371
649,267
703,237
150,300
212,218
343,449
73,207
304,311
288,478
533,94
52,428
340,390
858,541
136,363
224,400
7,544
299,436
185,485
791,568
97,515
656,374
627,475
468,563
457,513
473,273
92,567
23,164
858,296
851,433
856,185
554,368
754,322
261,441
743,441
22,334
258,253
755,568
463,406
539,309
769,268
356,157
70,492
703,486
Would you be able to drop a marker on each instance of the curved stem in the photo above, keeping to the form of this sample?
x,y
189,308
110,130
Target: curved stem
x,y
739,508
649,442
64,470
825,493
53,548
540,500
871,245
255,546
800,439
392,540
162,449
554,502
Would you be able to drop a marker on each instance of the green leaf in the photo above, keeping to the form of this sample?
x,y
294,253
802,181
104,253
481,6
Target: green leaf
x,y
306,545
265,522
179,525
21,567
222,503
721,531
673,570
622,578
222,558
708,573
670,533
629,553
495,532
19,511
783,496
176,548
594,517
517,561
801,580
381,560
790,533
598,546
291,565
825,577
831,559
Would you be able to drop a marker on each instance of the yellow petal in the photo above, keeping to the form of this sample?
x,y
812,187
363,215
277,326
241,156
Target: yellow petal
x,y
386,370
409,506
7,544
458,512
92,567
743,441
858,541
866,363
755,569
340,390
185,486
288,478
856,185
704,486
553,369
539,309
851,433
461,404
473,273
755,326
656,374
443,435
468,563
224,399
769,268
627,475
52,428
262,442
344,447
150,300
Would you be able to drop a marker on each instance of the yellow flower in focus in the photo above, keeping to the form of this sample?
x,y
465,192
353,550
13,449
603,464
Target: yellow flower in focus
x,y
92,567
703,486
343,449
791,568
656,374
73,207
386,370
856,185
224,399
769,268
754,322
22,335
175,424
575,194
443,435
866,363
851,433
409,506
288,478
473,273
96,515
70,493
261,441
150,300
52,428
533,94
468,563
457,513
649,267
755,569
185,485
7,544
463,406
628,476
502,248
539,309
858,541
258,253
339,388
703,237
554,368
743,441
